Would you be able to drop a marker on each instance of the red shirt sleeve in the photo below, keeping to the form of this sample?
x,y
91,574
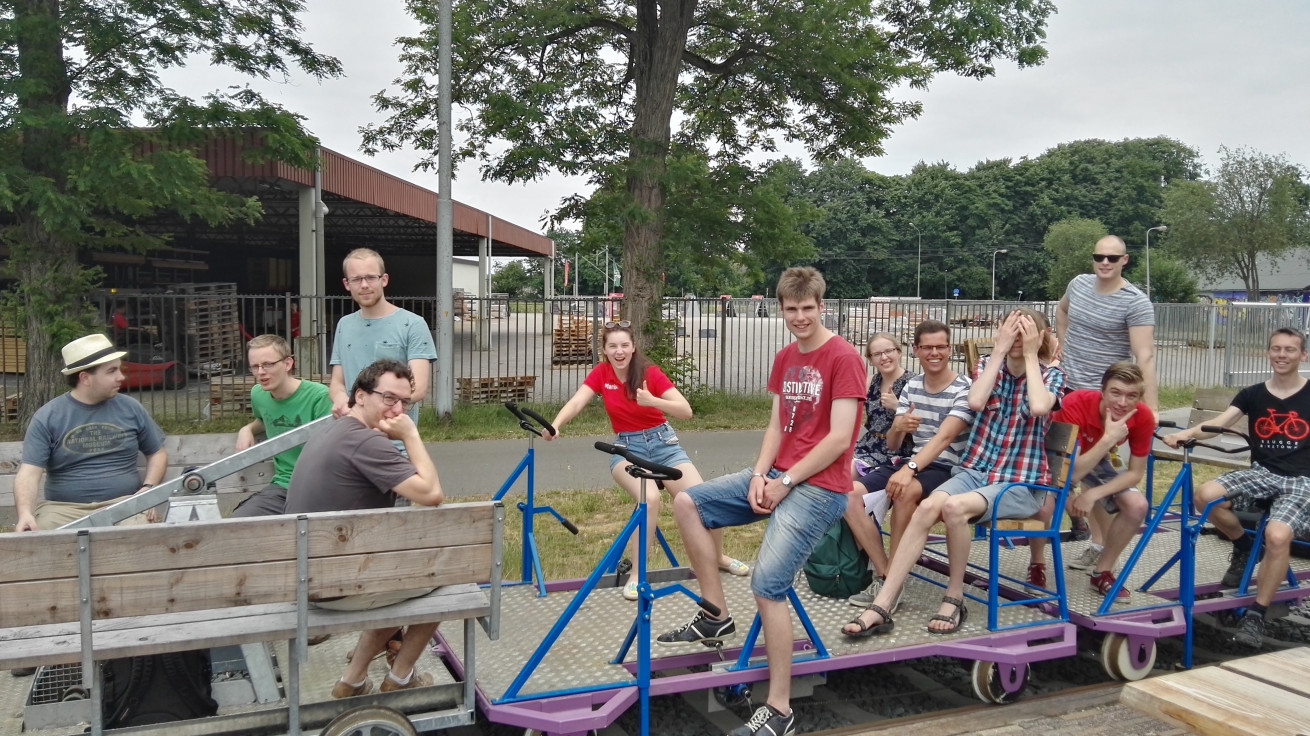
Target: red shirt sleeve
x,y
595,380
1140,430
656,382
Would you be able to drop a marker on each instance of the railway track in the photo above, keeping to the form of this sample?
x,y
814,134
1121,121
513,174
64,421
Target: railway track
x,y
933,696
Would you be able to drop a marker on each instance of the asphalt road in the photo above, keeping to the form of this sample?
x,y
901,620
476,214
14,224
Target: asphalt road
x,y
481,467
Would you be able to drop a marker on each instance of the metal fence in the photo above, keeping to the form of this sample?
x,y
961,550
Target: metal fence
x,y
186,350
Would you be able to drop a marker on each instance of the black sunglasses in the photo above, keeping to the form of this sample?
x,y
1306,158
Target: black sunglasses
x,y
624,324
1098,257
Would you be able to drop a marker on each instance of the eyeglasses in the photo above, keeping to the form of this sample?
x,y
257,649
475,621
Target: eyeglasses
x,y
933,348
1098,257
391,399
883,353
622,323
265,367
370,279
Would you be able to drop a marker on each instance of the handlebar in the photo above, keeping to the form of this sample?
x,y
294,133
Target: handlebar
x,y
1212,429
664,471
523,413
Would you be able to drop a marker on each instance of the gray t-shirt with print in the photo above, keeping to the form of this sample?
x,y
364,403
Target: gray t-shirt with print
x,y
89,451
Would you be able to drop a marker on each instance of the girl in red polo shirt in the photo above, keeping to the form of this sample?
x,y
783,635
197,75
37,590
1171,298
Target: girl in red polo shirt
x,y
637,396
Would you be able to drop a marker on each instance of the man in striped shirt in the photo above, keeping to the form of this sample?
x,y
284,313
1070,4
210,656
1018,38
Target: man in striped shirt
x,y
1101,320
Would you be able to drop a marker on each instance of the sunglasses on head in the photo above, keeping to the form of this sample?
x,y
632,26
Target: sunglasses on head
x,y
621,323
1098,257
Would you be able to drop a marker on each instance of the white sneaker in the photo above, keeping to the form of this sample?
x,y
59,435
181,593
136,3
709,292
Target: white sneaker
x,y
1087,560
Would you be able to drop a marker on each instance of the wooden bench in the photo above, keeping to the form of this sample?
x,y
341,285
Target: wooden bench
x,y
974,349
1206,405
176,587
1264,695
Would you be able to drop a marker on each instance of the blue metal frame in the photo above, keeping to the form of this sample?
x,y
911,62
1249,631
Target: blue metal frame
x,y
1190,529
640,630
531,562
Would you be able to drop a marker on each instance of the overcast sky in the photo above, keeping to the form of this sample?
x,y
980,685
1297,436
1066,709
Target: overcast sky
x,y
1205,72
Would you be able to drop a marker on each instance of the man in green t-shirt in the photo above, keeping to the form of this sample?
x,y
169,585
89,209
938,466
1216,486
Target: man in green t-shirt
x,y
280,402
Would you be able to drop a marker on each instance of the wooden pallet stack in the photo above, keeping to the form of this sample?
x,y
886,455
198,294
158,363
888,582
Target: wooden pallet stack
x,y
13,350
230,395
572,343
10,415
212,327
495,389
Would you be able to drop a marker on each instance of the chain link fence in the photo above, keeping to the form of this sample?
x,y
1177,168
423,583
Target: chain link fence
x,y
186,349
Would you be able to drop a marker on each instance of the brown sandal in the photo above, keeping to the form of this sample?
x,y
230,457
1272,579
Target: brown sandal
x,y
867,630
956,619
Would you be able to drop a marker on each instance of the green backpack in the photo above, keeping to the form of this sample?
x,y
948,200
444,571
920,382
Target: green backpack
x,y
837,567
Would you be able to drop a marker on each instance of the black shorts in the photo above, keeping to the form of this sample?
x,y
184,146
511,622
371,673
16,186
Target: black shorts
x,y
929,477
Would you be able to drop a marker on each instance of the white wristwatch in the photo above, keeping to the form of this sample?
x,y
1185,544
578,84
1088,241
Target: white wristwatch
x,y
786,480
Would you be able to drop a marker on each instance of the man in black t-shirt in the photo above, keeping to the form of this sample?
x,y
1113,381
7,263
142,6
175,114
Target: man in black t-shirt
x,y
1278,423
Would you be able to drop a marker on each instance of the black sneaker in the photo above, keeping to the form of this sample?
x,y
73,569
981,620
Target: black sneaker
x,y
1078,530
700,629
767,721
1251,631
1237,562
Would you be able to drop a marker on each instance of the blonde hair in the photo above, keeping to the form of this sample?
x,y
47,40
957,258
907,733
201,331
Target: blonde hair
x,y
362,253
270,341
881,336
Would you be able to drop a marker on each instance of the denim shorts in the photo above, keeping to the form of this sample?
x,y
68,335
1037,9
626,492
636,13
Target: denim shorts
x,y
1017,503
795,526
657,444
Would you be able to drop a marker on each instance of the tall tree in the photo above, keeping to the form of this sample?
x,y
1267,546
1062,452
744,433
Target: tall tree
x,y
74,76
1255,205
587,86
1069,245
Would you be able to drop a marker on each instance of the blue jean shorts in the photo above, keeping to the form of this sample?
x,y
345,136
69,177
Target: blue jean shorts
x,y
657,444
1017,503
795,526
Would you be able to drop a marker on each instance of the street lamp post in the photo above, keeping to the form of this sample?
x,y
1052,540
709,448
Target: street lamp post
x,y
995,253
918,269
1161,228
944,274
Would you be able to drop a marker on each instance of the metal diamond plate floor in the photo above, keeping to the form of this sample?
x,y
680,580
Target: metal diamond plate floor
x,y
581,657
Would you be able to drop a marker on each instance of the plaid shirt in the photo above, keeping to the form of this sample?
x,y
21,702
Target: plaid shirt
x,y
1006,442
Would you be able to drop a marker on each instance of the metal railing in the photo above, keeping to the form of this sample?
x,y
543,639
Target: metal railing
x,y
187,350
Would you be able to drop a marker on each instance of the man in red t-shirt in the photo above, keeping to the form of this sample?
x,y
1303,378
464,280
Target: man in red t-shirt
x,y
800,480
1105,419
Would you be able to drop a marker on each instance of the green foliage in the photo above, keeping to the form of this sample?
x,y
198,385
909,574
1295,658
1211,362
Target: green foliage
x,y
1171,281
1255,205
74,176
595,88
519,280
1069,244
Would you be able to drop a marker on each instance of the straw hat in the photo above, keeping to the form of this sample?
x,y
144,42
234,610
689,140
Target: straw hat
x,y
89,352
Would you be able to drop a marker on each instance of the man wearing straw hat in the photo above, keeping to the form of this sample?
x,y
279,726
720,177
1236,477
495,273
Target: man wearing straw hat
x,y
85,442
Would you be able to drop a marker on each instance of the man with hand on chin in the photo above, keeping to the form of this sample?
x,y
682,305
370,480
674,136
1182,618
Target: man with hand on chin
x,y
1105,419
354,465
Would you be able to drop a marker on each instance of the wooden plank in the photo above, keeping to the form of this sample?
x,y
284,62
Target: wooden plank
x,y
1288,669
175,632
1213,701
119,550
1213,399
138,594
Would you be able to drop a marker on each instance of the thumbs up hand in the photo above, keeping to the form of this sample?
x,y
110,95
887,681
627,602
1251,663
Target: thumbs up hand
x,y
889,401
644,396
907,422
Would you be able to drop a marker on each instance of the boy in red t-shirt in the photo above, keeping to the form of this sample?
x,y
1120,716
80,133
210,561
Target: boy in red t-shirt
x,y
1105,419
799,480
